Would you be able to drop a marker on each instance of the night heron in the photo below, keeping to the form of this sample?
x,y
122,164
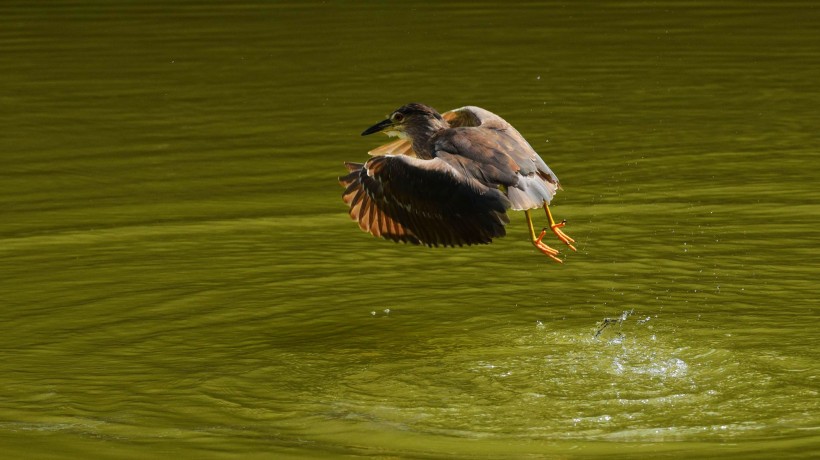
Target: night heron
x,y
449,180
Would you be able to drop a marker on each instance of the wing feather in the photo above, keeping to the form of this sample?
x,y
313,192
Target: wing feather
x,y
397,147
429,202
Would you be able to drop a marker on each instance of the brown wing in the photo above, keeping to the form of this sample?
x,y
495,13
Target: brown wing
x,y
422,202
463,116
397,147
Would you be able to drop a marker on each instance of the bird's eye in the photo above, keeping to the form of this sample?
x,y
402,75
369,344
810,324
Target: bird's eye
x,y
397,117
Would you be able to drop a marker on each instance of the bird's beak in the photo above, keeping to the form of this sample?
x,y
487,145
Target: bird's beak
x,y
378,127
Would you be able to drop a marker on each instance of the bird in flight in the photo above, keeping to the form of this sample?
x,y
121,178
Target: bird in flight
x,y
448,180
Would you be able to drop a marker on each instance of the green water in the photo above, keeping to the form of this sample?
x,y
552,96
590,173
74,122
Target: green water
x,y
179,278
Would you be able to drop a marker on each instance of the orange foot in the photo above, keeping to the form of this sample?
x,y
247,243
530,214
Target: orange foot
x,y
556,228
550,252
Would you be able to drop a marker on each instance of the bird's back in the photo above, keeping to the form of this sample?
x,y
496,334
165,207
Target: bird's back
x,y
536,183
517,147
474,129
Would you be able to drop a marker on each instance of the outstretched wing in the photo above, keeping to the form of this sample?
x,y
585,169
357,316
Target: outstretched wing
x,y
427,202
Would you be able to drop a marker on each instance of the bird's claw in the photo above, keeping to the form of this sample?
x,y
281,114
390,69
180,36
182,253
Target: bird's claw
x,y
548,251
556,228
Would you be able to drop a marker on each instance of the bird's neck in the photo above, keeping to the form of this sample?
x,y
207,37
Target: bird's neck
x,y
422,137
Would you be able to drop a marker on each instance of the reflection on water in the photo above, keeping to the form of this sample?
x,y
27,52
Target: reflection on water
x,y
180,278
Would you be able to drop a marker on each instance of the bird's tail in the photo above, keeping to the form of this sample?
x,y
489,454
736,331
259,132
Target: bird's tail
x,y
531,192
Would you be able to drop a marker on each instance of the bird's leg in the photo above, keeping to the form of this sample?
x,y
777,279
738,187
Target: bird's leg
x,y
548,251
556,228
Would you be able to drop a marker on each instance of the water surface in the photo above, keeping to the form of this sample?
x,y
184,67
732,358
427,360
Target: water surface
x,y
180,277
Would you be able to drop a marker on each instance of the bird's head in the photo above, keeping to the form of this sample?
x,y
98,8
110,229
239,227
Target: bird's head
x,y
409,120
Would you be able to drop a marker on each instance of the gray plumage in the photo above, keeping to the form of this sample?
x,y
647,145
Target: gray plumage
x,y
449,180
